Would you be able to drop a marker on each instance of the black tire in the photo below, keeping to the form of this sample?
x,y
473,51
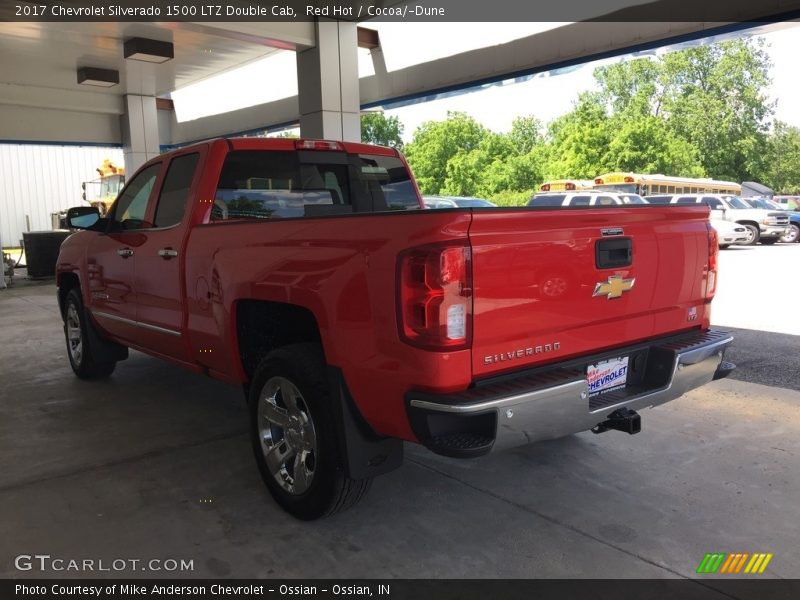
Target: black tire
x,y
724,246
314,449
769,241
755,234
793,235
77,328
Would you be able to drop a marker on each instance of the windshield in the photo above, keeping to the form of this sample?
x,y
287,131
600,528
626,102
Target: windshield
x,y
629,188
736,202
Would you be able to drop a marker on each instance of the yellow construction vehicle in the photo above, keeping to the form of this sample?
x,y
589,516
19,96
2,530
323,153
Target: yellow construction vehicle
x,y
102,192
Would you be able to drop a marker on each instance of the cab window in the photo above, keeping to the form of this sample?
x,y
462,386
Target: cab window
x,y
131,207
175,190
712,203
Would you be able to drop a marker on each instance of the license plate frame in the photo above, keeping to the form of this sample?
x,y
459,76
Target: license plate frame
x,y
607,375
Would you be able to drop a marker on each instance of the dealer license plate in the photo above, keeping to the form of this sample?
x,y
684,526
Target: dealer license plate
x,y
607,375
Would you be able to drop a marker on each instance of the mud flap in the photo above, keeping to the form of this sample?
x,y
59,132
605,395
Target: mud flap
x,y
100,347
367,454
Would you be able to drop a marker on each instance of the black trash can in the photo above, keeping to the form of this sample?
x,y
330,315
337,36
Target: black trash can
x,y
41,251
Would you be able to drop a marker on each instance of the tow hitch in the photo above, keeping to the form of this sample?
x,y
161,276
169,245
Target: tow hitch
x,y
624,419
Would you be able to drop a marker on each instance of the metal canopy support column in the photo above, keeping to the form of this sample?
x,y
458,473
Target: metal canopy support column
x,y
139,131
328,83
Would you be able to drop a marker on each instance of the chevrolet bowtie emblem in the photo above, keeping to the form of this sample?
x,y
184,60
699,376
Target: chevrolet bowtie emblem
x,y
614,287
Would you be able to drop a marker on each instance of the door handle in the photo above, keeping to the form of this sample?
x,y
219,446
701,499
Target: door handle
x,y
125,252
167,253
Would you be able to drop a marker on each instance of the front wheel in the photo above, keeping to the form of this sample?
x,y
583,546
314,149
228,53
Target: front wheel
x,y
724,246
753,234
294,438
793,235
85,362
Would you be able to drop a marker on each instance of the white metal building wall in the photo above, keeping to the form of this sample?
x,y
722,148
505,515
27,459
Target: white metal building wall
x,y
38,180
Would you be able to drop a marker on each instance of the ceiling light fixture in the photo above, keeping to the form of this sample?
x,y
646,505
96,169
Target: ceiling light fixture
x,y
98,77
148,50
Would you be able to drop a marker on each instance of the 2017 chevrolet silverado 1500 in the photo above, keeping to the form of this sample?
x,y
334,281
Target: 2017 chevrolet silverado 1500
x,y
305,272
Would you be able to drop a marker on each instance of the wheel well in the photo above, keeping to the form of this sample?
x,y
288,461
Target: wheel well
x,y
753,223
66,282
263,326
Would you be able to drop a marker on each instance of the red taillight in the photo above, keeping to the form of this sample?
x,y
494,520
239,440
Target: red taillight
x,y
629,180
599,181
569,186
434,304
545,187
318,145
713,255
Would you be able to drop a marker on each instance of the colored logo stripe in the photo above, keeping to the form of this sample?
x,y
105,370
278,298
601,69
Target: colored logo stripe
x,y
711,563
758,563
721,562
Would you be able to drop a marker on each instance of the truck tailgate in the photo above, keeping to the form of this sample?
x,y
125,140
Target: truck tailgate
x,y
553,284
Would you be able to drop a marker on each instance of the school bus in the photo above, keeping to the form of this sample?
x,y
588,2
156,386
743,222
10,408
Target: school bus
x,y
645,185
566,185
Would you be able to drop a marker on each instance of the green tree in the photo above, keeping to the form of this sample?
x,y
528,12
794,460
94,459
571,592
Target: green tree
x,y
578,141
377,128
643,144
722,108
435,143
526,134
783,172
500,163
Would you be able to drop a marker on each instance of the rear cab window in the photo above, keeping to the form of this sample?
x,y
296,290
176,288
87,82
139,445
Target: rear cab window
x,y
275,184
549,200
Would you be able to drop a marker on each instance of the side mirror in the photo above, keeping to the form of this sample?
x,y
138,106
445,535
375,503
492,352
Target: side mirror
x,y
83,217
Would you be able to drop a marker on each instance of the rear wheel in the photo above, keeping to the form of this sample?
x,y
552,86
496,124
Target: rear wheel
x,y
753,234
793,235
295,442
85,362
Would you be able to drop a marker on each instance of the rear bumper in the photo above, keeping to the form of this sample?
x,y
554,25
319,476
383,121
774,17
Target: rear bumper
x,y
554,402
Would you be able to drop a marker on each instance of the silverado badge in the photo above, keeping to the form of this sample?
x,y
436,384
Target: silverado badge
x,y
614,287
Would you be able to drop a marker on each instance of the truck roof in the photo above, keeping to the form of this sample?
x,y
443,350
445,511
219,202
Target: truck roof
x,y
291,144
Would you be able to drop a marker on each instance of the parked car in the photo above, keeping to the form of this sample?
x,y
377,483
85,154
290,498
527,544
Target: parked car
x,y
585,198
438,202
458,201
302,272
729,233
793,234
765,226
787,202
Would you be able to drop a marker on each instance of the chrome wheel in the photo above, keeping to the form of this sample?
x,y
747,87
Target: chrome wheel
x,y
74,334
752,234
793,235
287,435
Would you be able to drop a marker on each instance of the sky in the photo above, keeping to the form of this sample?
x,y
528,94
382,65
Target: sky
x,y
546,95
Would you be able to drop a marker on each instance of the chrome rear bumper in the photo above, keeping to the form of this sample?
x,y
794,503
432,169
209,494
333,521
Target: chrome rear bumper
x,y
556,402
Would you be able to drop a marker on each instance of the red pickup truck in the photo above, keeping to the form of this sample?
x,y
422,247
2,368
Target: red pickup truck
x,y
307,272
